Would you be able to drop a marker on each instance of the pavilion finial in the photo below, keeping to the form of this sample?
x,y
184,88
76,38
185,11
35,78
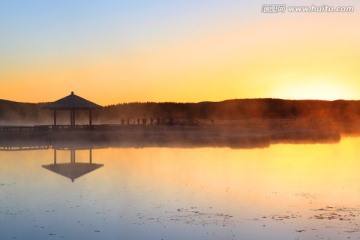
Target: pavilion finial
x,y
72,92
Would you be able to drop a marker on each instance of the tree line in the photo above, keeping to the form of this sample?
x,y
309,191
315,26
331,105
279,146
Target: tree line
x,y
236,109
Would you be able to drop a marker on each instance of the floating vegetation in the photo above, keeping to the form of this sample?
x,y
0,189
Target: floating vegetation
x,y
284,217
191,216
334,213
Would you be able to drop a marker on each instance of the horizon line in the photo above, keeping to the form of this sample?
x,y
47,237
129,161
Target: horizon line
x,y
205,101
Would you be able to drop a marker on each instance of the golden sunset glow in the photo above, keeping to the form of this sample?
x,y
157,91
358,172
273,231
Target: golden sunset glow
x,y
254,172
317,88
210,53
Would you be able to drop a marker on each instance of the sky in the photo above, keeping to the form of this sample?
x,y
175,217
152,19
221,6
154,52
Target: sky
x,y
176,51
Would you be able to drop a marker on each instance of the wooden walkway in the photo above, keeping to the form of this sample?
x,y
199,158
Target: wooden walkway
x,y
23,148
47,128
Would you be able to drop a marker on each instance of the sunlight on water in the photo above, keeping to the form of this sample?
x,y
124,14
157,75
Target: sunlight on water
x,y
286,191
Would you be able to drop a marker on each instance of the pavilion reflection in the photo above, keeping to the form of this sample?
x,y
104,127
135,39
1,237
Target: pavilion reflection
x,y
72,169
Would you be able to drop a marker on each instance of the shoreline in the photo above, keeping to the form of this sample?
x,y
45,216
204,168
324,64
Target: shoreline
x,y
173,136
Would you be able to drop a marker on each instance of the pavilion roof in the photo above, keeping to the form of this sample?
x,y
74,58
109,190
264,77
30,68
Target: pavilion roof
x,y
72,170
71,102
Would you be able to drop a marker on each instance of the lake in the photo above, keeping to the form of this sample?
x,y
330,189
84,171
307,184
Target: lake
x,y
284,191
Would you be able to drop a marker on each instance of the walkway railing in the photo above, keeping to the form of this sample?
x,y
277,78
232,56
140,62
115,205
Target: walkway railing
x,y
40,128
23,148
47,128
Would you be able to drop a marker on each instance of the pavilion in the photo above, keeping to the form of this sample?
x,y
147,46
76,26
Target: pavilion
x,y
72,170
72,103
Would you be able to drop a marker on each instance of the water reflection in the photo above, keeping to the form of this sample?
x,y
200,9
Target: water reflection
x,y
286,191
72,170
194,138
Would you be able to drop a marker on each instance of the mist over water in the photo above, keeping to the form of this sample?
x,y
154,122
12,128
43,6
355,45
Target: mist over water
x,y
283,191
330,115
238,169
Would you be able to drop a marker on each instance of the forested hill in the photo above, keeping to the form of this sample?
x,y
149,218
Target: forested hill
x,y
340,110
17,112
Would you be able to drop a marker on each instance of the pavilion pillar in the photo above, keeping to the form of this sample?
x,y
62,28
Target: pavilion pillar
x,y
54,156
90,120
90,155
72,156
72,118
54,117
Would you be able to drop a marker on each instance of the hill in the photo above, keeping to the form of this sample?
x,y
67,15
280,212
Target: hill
x,y
237,109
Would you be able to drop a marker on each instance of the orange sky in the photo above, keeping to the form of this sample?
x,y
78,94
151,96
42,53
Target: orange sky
x,y
186,52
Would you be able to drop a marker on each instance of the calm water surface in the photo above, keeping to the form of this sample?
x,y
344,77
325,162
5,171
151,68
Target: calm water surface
x,y
286,191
